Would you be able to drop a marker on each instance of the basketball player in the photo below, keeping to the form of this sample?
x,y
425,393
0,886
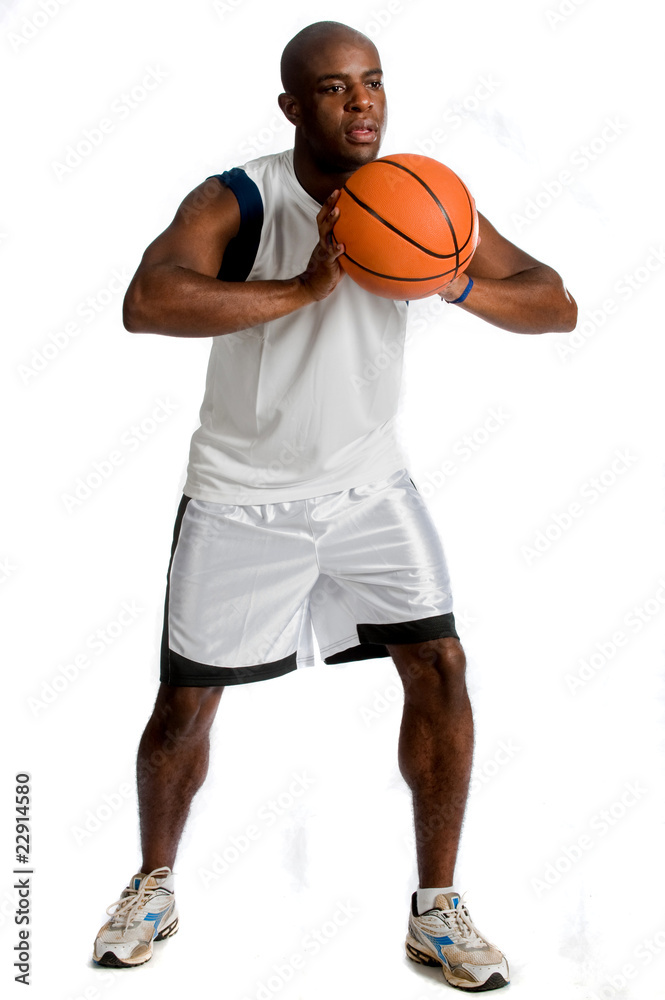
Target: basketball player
x,y
297,490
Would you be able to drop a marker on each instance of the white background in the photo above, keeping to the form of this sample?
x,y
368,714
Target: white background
x,y
569,918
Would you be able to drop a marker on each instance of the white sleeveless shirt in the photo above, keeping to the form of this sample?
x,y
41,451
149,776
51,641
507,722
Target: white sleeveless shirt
x,y
306,404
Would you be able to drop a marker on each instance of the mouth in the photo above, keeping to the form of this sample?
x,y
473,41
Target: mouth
x,y
362,130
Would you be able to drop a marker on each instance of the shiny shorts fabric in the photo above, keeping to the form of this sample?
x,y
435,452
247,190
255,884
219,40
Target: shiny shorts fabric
x,y
253,589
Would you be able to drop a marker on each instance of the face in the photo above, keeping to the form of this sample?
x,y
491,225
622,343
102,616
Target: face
x,y
342,110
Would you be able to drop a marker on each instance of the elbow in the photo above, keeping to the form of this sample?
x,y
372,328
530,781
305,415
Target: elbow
x,y
560,314
133,312
568,319
129,319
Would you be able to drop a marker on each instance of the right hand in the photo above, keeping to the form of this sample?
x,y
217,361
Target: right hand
x,y
324,272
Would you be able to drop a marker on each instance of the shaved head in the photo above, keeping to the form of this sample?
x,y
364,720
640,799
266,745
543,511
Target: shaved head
x,y
312,39
335,98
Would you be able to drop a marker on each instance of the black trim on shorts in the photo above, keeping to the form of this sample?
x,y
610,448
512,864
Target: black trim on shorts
x,y
366,651
164,656
373,638
188,673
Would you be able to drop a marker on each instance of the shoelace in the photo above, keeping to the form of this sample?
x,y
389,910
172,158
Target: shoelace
x,y
461,920
131,900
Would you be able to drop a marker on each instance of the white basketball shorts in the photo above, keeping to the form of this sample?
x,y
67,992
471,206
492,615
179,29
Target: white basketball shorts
x,y
250,588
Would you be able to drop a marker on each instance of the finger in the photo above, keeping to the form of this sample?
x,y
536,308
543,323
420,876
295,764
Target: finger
x,y
330,249
328,205
330,220
326,230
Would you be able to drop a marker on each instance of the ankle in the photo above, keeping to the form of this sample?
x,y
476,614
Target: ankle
x,y
149,866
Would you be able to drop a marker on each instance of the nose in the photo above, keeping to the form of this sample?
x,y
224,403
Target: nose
x,y
359,98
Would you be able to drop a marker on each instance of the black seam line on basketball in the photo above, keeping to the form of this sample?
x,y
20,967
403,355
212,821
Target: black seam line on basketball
x,y
432,194
471,209
392,277
398,232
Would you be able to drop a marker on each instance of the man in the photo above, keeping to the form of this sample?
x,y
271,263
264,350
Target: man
x,y
298,511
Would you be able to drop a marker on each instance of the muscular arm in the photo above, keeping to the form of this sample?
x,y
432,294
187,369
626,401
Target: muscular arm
x,y
175,290
511,289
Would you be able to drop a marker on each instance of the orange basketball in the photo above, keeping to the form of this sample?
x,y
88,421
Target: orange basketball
x,y
409,226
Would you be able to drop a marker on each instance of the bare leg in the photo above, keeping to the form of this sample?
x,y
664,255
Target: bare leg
x,y
171,766
435,750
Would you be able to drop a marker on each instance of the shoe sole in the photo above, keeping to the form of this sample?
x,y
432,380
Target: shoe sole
x,y
413,951
111,960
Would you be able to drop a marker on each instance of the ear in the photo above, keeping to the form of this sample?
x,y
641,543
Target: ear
x,y
291,108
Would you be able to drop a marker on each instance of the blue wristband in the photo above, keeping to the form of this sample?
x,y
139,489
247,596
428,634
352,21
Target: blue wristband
x,y
464,294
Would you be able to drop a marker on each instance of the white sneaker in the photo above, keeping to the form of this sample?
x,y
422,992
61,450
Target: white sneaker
x,y
446,936
145,912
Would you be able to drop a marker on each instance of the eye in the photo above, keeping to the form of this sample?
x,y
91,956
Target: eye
x,y
335,88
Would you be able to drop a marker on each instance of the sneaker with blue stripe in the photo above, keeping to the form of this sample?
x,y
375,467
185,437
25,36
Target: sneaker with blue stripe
x,y
446,936
145,912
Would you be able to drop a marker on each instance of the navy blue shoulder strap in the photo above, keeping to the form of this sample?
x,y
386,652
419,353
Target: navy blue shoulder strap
x,y
240,254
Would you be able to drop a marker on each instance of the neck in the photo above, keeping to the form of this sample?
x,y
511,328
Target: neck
x,y
317,182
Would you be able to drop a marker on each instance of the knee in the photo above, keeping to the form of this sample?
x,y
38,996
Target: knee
x,y
437,665
186,710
